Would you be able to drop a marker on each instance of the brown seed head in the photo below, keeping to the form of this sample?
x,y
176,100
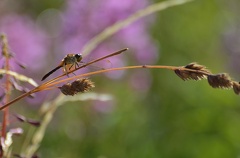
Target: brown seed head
x,y
66,89
220,81
236,87
190,75
80,85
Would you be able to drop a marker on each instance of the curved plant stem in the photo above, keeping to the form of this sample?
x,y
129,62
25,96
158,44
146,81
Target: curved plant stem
x,y
52,84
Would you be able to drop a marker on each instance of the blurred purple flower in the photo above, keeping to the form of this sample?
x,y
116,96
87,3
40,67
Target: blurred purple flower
x,y
84,20
25,40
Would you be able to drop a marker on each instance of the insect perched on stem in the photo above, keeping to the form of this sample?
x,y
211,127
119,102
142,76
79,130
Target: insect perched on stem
x,y
71,60
67,63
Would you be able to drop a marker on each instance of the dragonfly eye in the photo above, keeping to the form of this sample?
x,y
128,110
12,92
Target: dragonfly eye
x,y
78,57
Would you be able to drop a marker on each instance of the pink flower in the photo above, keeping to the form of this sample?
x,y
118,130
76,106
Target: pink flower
x,y
25,40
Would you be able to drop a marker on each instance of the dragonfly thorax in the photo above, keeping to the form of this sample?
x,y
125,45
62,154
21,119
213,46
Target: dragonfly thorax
x,y
72,59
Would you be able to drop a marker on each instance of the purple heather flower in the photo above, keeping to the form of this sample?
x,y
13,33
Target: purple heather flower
x,y
84,20
25,40
137,39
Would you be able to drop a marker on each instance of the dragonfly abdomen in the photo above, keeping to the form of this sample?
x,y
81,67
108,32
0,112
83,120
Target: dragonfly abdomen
x,y
52,71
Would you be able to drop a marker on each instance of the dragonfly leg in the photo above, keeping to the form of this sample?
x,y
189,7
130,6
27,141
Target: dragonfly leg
x,y
75,68
76,65
71,66
66,70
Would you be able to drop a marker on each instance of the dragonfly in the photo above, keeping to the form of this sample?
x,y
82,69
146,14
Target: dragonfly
x,y
69,60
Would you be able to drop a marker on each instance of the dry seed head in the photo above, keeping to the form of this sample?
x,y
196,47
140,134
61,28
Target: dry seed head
x,y
190,75
80,85
222,80
66,89
236,87
196,66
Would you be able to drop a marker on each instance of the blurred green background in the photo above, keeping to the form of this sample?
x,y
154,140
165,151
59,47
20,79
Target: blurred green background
x,y
174,118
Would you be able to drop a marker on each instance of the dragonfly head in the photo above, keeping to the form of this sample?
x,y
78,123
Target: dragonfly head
x,y
78,57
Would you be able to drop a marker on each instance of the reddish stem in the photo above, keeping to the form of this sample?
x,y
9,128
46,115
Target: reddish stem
x,y
7,98
5,122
